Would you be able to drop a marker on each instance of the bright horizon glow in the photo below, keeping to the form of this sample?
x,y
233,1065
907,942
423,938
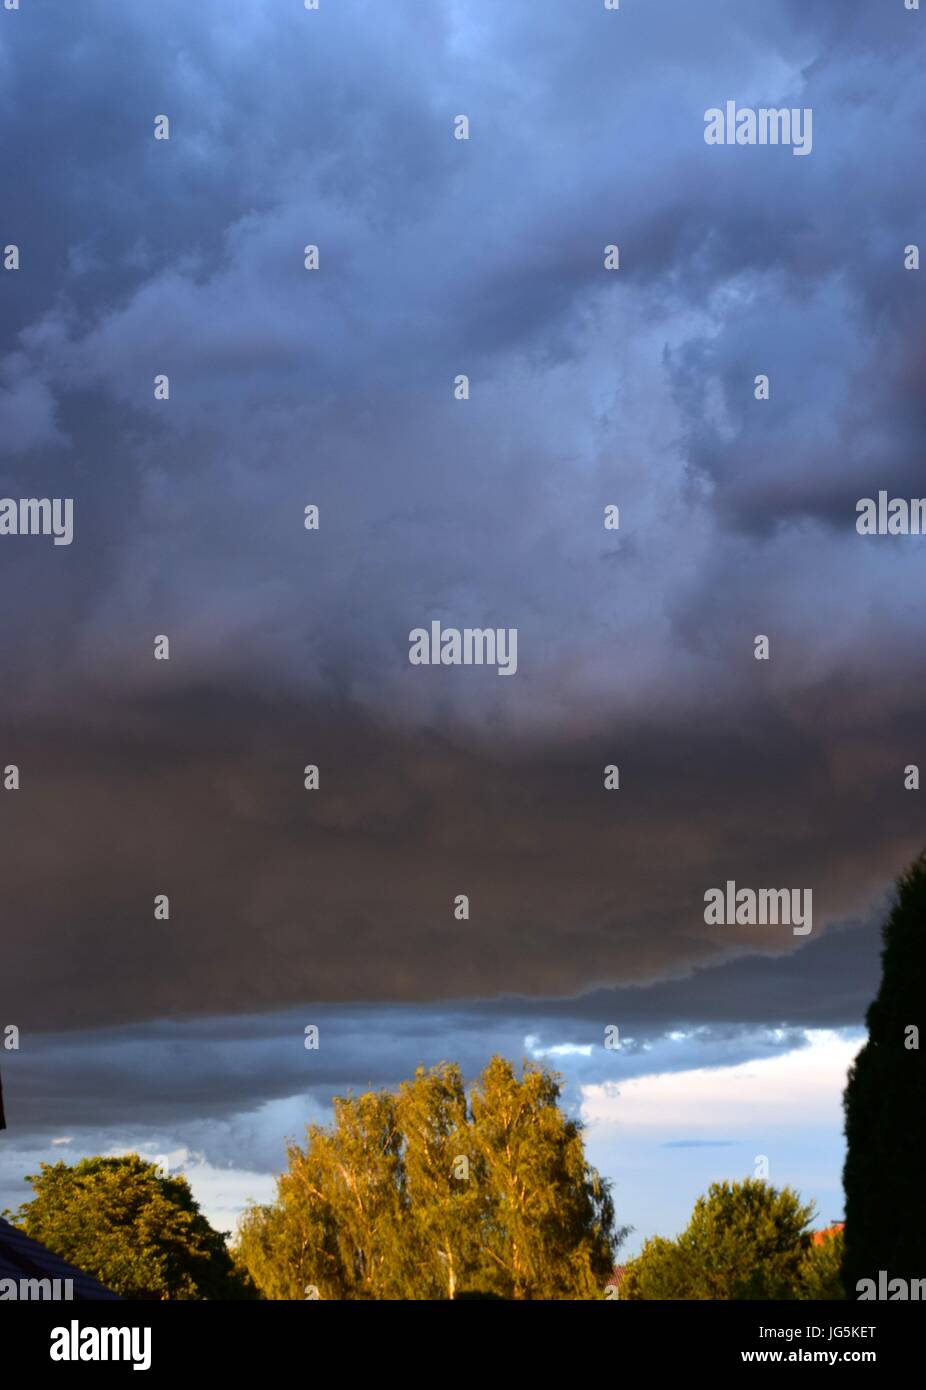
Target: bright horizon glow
x,y
663,1138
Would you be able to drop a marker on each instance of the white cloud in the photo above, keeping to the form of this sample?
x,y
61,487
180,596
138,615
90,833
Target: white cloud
x,y
788,1090
665,1137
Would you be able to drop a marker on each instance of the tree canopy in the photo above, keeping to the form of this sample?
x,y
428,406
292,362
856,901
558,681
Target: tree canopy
x,y
745,1240
134,1229
435,1193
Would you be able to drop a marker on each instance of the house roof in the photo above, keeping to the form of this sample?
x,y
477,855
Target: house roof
x,y
24,1258
820,1236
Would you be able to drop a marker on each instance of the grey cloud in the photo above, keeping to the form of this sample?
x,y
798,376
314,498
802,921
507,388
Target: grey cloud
x,y
141,778
212,1068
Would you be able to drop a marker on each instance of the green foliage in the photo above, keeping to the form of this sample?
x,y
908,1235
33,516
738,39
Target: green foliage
x,y
885,1106
547,1220
138,1232
430,1194
745,1240
820,1275
446,1210
662,1270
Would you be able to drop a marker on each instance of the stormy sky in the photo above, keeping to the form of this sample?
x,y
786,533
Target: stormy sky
x,y
289,647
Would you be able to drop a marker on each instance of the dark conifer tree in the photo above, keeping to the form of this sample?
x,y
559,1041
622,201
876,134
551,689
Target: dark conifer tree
x,y
885,1107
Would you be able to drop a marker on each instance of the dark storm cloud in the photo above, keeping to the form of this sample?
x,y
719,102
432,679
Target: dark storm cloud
x,y
279,896
206,1072
286,388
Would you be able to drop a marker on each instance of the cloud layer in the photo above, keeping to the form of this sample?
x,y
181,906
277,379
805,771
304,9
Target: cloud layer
x,y
289,647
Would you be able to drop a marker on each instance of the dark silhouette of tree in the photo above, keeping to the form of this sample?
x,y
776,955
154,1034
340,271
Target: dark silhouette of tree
x,y
885,1106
